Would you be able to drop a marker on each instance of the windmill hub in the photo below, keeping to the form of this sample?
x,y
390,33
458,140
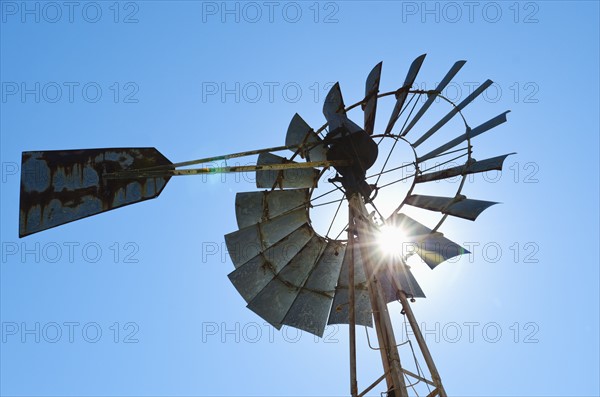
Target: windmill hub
x,y
361,150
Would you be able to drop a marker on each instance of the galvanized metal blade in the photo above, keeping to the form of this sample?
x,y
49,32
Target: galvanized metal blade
x,y
62,186
435,249
431,246
371,91
334,109
256,207
402,95
246,243
340,313
409,226
459,206
289,178
472,167
431,97
335,112
488,125
395,276
274,301
310,309
453,112
300,134
253,276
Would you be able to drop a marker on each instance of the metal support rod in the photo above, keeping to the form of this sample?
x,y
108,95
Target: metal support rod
x,y
242,168
391,349
382,349
435,376
352,308
383,323
434,393
413,375
222,157
372,386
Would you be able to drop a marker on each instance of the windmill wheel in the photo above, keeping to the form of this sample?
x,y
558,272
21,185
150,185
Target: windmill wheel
x,y
291,275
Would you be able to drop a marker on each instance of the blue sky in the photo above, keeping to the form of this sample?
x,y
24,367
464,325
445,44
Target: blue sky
x,y
136,301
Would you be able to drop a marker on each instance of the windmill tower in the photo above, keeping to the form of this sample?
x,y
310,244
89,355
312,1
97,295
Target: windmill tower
x,y
287,272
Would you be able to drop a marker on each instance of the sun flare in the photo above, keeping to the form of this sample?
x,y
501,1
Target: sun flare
x,y
390,240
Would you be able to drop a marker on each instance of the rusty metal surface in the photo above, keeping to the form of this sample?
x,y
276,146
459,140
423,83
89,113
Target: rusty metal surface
x,y
494,163
371,91
299,133
431,97
488,125
459,206
275,300
286,166
221,157
402,95
62,186
251,277
478,91
290,178
256,207
310,310
246,243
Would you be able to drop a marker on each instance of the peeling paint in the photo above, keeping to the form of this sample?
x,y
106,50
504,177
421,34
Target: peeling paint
x,y
58,187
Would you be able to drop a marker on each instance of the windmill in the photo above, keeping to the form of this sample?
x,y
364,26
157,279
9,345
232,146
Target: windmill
x,y
287,272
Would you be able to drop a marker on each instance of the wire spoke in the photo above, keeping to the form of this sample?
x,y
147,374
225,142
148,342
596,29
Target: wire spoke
x,y
391,170
444,163
328,202
334,217
324,194
386,160
396,181
450,152
409,114
342,231
425,170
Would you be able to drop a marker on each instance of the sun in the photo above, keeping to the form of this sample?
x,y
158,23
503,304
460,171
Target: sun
x,y
390,240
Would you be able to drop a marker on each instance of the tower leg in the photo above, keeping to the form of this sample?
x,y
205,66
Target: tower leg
x,y
383,324
435,376
363,228
352,311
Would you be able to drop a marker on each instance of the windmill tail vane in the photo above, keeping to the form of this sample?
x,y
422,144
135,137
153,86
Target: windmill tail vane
x,y
287,272
61,186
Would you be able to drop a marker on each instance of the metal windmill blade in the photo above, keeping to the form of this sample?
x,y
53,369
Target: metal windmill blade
x,y
288,272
